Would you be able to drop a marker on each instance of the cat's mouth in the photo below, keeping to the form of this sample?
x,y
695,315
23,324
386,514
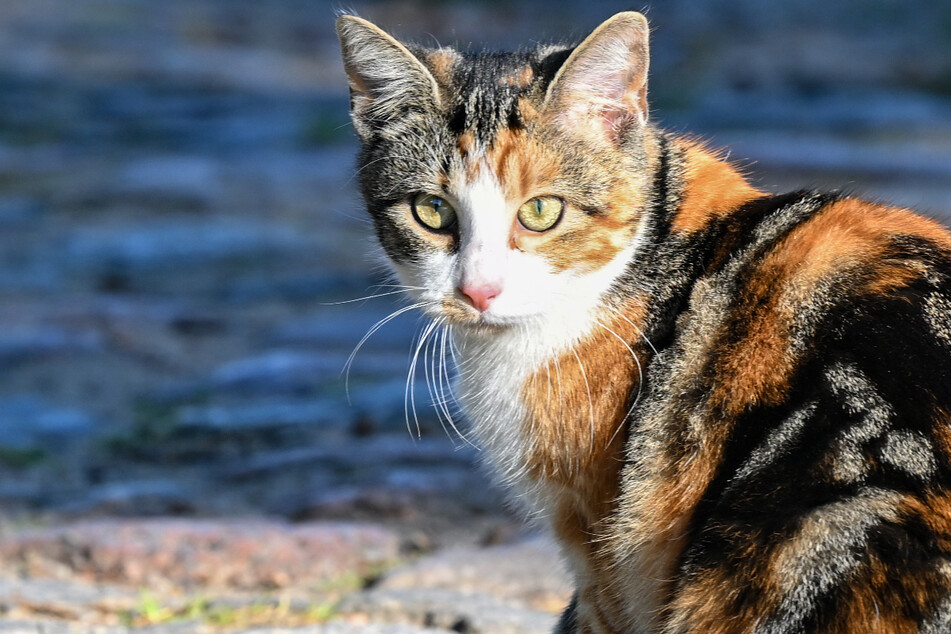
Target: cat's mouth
x,y
457,313
489,325
462,315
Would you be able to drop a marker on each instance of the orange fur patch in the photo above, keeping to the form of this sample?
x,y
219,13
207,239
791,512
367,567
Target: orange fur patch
x,y
440,64
941,434
526,169
935,512
722,601
527,109
868,603
576,407
712,190
520,79
466,144
848,235
758,368
853,233
706,606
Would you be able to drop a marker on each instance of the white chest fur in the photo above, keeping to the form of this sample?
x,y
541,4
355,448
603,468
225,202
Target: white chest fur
x,y
495,365
493,371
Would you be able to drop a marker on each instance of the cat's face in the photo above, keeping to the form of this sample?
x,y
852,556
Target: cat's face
x,y
501,185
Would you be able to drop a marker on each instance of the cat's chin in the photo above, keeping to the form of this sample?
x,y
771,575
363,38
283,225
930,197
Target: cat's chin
x,y
465,317
489,324
483,328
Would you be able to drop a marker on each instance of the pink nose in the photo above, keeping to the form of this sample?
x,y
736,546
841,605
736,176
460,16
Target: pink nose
x,y
481,296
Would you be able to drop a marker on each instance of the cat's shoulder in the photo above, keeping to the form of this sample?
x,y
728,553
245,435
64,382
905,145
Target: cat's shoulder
x,y
808,280
809,237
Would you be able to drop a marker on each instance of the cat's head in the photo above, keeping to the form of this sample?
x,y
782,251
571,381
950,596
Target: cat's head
x,y
504,187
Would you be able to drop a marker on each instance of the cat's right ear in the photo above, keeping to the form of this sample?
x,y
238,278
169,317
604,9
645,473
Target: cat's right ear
x,y
601,89
385,77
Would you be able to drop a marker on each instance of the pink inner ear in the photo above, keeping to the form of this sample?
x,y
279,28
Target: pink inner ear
x,y
603,101
614,117
602,89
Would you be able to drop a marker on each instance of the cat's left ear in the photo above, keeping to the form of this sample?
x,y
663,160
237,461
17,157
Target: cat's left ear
x,y
386,79
602,86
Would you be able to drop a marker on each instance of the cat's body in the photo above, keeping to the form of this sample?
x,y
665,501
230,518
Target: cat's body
x,y
733,409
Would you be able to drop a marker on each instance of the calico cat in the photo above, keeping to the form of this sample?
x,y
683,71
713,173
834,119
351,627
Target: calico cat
x,y
733,408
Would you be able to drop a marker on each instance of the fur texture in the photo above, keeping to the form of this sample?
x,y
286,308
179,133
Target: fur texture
x,y
732,408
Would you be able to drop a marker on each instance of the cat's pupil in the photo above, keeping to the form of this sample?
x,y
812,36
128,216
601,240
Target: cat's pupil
x,y
433,212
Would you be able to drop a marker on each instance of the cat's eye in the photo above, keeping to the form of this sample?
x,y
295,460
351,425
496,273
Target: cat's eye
x,y
541,214
433,212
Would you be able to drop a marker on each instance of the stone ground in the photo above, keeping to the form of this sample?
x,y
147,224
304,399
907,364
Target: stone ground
x,y
180,242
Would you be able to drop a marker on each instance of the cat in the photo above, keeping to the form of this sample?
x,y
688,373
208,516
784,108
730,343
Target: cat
x,y
733,408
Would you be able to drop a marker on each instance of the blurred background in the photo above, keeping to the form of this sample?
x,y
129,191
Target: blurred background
x,y
178,219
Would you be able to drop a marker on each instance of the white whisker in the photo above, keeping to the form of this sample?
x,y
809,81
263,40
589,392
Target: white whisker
x,y
453,352
373,329
444,372
434,379
590,403
633,325
561,393
368,297
640,380
409,395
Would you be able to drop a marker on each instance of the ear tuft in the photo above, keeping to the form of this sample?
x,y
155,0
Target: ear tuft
x,y
602,86
385,77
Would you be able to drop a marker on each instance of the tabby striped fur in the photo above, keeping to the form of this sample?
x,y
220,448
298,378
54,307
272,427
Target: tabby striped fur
x,y
732,408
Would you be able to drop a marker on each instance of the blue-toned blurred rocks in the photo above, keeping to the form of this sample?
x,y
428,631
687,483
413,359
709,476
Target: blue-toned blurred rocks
x,y
181,237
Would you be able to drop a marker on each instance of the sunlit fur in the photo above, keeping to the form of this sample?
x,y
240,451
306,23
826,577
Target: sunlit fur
x,y
733,409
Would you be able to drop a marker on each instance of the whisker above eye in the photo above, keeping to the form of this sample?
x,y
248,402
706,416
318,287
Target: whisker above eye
x,y
377,160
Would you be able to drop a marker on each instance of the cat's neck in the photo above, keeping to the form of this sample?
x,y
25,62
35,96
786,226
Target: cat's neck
x,y
700,207
550,403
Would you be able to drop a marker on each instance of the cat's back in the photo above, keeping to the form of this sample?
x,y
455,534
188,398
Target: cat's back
x,y
809,279
779,278
803,412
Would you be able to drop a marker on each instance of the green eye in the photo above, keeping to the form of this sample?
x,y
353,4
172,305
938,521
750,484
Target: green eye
x,y
433,212
541,214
